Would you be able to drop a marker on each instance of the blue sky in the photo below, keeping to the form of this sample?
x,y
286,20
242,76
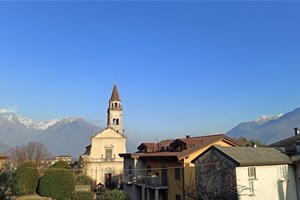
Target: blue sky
x,y
195,67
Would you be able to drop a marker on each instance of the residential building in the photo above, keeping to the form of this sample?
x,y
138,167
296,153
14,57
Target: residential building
x,y
163,170
65,158
101,160
292,147
3,159
244,173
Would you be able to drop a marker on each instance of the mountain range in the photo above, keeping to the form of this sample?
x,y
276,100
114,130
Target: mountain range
x,y
71,135
68,136
268,128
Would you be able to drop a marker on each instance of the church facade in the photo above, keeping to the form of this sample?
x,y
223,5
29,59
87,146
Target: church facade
x,y
101,160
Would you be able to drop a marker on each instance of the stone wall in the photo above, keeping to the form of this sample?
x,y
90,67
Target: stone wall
x,y
215,176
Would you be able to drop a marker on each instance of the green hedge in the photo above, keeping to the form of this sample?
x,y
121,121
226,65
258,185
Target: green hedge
x,y
83,179
6,176
114,194
81,195
25,180
58,181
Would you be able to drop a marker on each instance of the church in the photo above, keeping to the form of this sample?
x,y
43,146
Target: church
x,y
101,160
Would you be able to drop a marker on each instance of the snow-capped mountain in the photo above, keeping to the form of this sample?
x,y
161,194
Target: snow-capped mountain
x,y
268,128
265,118
30,124
61,136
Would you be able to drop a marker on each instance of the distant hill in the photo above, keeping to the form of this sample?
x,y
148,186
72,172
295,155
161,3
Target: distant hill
x,y
268,128
68,136
60,136
4,148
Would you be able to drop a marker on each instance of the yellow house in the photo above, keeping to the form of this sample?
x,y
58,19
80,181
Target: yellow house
x,y
101,160
164,170
3,159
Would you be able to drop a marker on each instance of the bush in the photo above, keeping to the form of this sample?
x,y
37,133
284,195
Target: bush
x,y
83,179
6,176
81,195
58,181
25,180
114,194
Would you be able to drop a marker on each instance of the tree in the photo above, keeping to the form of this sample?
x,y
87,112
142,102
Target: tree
x,y
25,179
32,151
6,175
251,142
58,181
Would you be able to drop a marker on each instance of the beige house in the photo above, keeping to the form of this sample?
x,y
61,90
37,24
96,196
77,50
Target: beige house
x,y
101,160
163,170
3,159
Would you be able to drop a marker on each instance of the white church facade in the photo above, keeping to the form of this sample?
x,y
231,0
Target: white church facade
x,y
101,160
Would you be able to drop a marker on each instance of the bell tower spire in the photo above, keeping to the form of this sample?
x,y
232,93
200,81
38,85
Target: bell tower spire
x,y
115,111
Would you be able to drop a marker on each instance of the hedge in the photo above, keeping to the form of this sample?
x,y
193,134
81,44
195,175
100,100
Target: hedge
x,y
58,181
81,195
83,179
114,194
25,180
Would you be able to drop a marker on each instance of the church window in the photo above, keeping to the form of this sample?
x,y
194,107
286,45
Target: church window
x,y
114,121
117,121
108,153
116,105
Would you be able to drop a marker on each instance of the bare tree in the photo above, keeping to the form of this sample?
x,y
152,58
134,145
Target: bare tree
x,y
32,151
215,181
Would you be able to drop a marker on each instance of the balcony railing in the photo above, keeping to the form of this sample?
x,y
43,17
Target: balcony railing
x,y
154,182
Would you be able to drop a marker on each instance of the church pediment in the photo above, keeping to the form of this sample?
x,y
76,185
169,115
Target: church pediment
x,y
109,133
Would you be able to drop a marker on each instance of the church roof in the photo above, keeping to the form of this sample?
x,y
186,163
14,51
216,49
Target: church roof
x,y
115,94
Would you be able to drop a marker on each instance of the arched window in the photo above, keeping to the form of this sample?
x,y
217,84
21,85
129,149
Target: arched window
x,y
116,105
112,105
114,121
117,121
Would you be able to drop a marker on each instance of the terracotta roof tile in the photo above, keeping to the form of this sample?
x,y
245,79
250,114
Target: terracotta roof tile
x,y
2,155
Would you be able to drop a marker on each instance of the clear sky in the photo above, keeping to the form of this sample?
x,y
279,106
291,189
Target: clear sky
x,y
195,67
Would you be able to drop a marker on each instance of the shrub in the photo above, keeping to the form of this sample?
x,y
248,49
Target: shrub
x,y
6,176
81,195
83,179
114,194
58,181
25,179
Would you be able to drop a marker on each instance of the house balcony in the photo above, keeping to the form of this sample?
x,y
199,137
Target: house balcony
x,y
152,182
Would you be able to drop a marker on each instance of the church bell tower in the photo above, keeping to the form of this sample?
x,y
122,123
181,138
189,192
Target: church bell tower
x,y
115,111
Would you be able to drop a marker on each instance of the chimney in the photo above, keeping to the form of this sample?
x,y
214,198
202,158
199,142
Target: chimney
x,y
187,136
296,130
